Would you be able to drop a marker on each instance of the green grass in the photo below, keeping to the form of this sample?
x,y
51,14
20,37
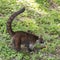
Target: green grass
x,y
7,53
47,25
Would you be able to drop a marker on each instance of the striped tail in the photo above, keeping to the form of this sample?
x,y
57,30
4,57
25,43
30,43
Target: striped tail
x,y
11,18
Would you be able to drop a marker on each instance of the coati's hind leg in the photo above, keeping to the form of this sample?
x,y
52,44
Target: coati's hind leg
x,y
17,45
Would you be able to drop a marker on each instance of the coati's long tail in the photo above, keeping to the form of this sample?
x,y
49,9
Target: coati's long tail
x,y
11,18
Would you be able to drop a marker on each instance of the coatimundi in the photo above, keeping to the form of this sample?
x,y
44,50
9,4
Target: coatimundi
x,y
21,37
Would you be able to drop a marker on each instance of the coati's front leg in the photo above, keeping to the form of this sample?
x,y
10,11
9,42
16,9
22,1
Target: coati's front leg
x,y
29,49
29,46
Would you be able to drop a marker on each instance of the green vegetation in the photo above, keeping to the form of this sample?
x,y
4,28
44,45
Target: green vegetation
x,y
41,18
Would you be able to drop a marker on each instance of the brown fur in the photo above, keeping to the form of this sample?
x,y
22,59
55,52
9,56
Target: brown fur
x,y
20,37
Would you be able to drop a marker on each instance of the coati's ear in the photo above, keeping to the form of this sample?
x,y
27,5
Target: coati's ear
x,y
41,39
